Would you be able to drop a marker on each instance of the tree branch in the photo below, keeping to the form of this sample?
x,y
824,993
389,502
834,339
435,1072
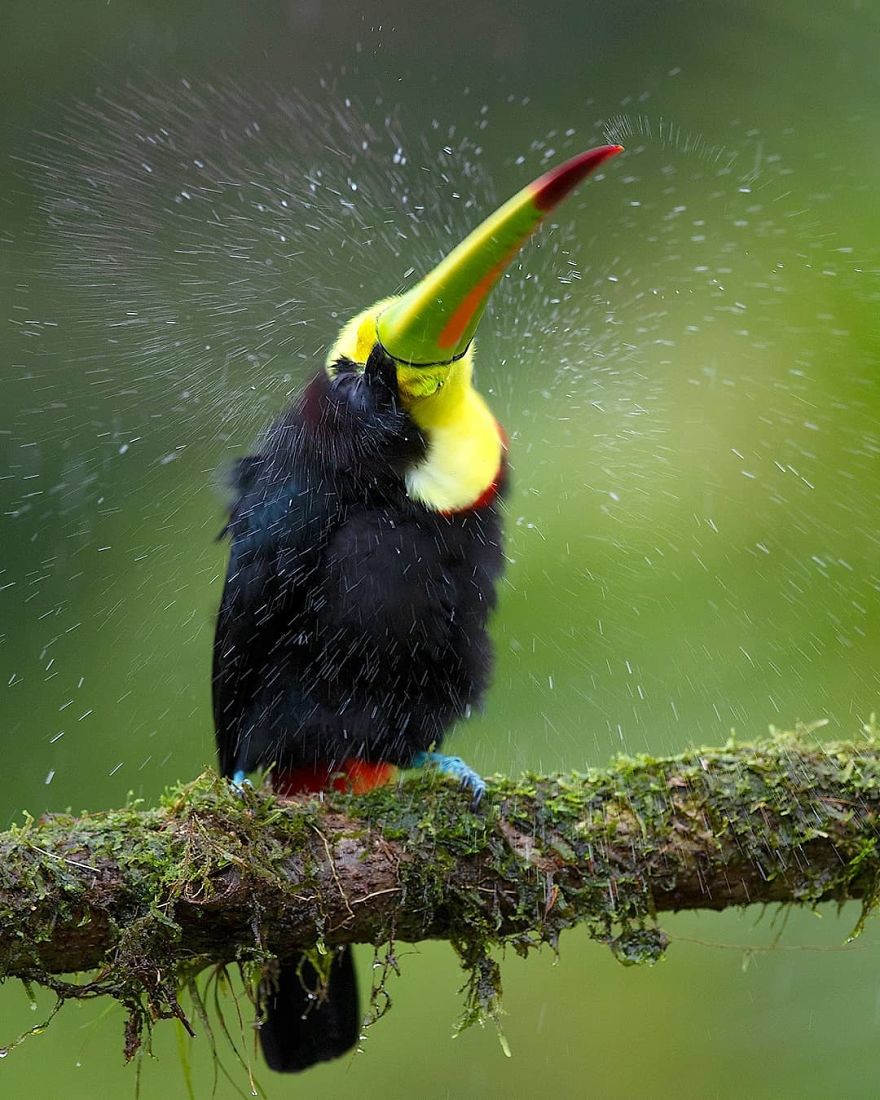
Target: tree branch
x,y
148,895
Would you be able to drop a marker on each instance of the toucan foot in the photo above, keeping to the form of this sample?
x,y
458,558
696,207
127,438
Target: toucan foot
x,y
454,766
239,782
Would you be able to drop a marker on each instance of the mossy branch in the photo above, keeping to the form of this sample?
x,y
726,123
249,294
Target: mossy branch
x,y
148,896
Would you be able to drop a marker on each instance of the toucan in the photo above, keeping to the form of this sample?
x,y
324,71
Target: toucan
x,y
365,548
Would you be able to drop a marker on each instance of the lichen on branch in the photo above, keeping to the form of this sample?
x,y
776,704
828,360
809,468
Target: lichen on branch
x,y
142,899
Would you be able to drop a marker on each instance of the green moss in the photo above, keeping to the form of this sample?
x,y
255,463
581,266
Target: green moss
x,y
639,946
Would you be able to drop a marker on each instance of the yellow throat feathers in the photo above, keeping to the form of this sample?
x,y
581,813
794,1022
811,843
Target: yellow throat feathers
x,y
464,442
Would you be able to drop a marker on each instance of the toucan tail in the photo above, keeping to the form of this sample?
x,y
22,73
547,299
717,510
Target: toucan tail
x,y
306,1020
303,1023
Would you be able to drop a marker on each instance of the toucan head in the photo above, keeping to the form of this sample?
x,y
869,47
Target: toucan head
x,y
428,331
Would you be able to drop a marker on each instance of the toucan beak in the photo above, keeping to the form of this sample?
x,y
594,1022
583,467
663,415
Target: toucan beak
x,y
434,322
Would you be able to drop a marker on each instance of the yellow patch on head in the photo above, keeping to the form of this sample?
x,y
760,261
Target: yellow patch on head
x,y
358,336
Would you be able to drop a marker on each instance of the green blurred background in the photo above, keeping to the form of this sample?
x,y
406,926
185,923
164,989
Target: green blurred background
x,y
194,196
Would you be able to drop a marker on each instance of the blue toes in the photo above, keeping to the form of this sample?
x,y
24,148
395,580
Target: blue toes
x,y
454,765
240,781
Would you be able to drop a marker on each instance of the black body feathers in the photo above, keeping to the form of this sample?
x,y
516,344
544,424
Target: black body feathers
x,y
353,622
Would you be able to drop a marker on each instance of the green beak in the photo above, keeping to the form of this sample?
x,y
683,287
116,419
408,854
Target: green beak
x,y
434,322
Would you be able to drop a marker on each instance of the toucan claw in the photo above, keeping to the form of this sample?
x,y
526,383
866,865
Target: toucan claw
x,y
454,766
239,783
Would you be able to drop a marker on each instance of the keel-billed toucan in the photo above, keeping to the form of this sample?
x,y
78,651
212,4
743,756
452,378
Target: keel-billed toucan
x,y
365,547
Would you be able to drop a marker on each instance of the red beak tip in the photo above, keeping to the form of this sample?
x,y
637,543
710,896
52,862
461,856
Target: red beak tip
x,y
554,185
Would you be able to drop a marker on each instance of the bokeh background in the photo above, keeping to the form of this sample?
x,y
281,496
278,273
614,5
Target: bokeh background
x,y
195,196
